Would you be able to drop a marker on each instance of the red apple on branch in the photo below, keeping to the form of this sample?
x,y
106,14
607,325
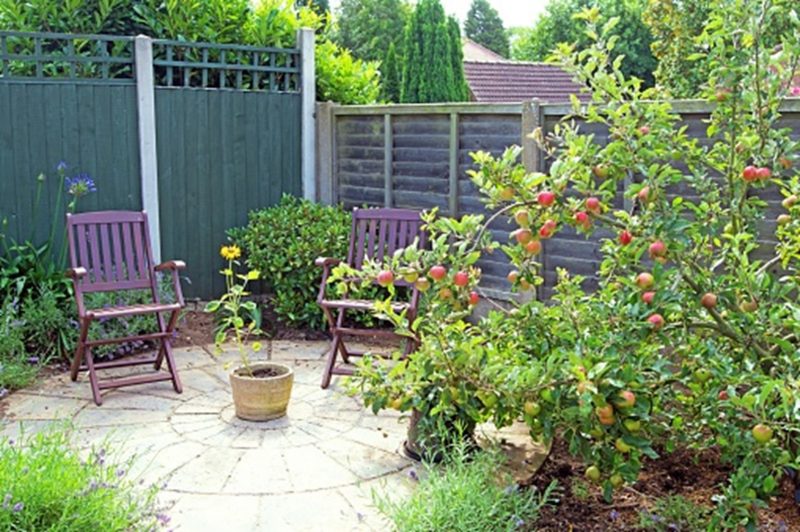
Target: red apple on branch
x,y
645,280
648,297
625,237
709,300
656,321
385,278
461,279
593,204
546,198
437,273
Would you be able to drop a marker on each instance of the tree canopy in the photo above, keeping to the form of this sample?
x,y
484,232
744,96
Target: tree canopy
x,y
557,24
369,27
432,67
484,26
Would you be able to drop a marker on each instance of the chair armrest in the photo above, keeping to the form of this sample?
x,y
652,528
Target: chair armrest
x,y
171,265
76,273
326,262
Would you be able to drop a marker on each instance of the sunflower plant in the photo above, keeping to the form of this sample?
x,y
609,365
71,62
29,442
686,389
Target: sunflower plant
x,y
238,319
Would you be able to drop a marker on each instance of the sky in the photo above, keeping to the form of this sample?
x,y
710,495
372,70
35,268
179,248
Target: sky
x,y
513,12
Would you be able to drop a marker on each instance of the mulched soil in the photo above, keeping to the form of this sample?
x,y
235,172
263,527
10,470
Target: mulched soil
x,y
695,476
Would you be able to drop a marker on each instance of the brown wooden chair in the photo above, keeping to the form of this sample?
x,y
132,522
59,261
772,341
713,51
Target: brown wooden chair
x,y
375,234
110,251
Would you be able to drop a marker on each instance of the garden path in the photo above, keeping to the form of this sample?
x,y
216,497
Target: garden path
x,y
315,469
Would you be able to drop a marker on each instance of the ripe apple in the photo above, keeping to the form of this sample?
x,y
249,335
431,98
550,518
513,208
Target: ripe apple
x,y
532,408
722,395
582,219
709,300
522,235
547,228
648,297
534,247
644,194
645,280
605,414
592,474
522,217
546,198
507,194
656,320
422,284
789,201
657,249
593,205
762,433
763,173
622,446
722,94
461,279
600,170
625,237
644,130
748,305
385,278
512,276
474,298
784,219
524,284
438,272
633,425
750,173
626,399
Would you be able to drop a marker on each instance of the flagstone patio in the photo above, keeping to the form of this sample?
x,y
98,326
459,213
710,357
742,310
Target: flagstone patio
x,y
315,469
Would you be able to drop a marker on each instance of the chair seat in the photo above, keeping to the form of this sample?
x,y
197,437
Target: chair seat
x,y
360,304
132,310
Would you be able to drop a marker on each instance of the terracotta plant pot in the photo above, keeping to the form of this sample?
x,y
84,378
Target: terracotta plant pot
x,y
263,396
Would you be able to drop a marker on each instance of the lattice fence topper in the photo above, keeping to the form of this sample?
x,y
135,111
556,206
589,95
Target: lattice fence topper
x,y
185,64
63,56
88,58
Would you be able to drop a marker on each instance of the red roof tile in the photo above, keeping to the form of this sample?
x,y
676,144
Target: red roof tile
x,y
514,82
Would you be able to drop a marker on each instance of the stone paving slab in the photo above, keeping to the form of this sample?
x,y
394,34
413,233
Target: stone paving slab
x,y
315,469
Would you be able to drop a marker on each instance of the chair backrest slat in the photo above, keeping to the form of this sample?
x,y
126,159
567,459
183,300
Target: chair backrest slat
x,y
378,233
113,247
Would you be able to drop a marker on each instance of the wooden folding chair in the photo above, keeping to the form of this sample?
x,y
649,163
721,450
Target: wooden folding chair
x,y
110,251
375,234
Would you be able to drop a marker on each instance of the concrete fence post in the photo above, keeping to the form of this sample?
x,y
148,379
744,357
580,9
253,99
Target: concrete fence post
x,y
326,192
148,153
305,41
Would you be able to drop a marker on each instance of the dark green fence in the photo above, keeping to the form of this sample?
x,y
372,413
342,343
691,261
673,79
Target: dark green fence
x,y
228,122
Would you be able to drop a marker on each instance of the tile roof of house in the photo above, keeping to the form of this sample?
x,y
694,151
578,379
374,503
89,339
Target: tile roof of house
x,y
514,81
477,52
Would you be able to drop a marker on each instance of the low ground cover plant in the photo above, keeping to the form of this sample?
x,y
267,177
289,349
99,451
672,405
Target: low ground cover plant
x,y
691,338
466,491
47,484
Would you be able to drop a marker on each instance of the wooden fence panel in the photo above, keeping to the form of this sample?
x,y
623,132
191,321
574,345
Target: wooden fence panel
x,y
90,126
221,155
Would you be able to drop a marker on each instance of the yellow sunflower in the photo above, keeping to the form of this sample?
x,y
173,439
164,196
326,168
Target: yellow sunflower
x,y
231,252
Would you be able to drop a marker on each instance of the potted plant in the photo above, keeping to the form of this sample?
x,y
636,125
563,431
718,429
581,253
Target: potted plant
x,y
261,389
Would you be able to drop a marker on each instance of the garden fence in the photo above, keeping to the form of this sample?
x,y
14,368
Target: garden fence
x,y
196,134
417,156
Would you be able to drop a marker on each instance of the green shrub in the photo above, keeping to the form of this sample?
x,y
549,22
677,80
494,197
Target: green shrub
x,y
465,492
282,242
45,484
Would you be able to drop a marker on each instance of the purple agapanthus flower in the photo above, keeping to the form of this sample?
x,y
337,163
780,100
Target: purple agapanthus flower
x,y
80,185
613,515
7,501
61,166
33,360
18,507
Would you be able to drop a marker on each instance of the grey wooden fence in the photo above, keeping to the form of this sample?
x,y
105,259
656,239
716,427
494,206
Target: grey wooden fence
x,y
417,156
197,134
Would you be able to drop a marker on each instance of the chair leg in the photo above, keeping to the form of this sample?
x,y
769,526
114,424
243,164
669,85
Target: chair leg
x,y
98,400
79,350
331,363
165,350
342,347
